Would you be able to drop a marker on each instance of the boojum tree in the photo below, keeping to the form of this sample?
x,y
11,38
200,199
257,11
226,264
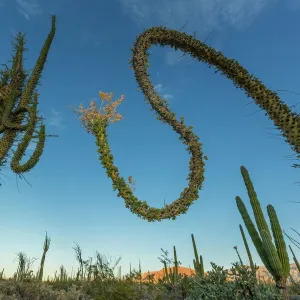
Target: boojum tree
x,y
17,99
284,119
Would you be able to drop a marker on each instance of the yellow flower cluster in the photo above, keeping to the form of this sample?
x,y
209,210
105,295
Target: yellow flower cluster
x,y
90,115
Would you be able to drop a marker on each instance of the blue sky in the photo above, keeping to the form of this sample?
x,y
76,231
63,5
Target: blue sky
x,y
72,199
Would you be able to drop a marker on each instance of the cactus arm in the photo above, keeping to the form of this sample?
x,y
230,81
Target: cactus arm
x,y
248,251
19,153
272,256
16,76
253,233
197,263
35,157
194,263
166,271
45,250
176,265
201,267
6,120
258,214
279,240
38,68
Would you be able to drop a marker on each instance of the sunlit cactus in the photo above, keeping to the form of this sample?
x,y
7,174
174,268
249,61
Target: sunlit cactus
x,y
18,98
274,256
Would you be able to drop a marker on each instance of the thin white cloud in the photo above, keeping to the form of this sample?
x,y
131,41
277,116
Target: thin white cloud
x,y
87,37
22,12
55,119
18,231
293,4
206,16
173,57
160,89
29,8
168,96
212,14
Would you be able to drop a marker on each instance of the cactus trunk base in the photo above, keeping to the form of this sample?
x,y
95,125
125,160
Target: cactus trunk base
x,y
282,287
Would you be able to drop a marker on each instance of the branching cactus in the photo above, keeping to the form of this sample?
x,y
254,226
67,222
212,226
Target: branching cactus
x,y
274,257
18,99
285,120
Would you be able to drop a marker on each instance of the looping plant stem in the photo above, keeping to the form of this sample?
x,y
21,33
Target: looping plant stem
x,y
283,118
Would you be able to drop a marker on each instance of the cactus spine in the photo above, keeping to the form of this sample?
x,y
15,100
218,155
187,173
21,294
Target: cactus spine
x,y
274,257
15,103
287,121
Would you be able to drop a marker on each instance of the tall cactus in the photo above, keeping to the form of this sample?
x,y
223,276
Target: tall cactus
x,y
288,122
274,257
17,99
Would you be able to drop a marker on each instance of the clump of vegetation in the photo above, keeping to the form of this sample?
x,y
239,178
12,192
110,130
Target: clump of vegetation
x,y
96,280
215,286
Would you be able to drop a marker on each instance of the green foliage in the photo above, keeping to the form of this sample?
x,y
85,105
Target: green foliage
x,y
18,98
215,286
283,118
96,281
